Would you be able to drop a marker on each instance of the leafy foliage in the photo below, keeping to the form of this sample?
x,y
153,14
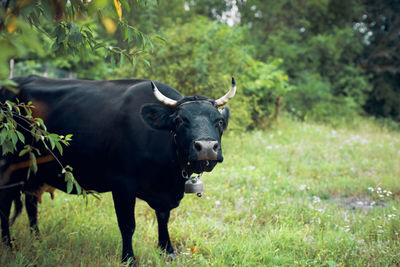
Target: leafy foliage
x,y
265,83
323,50
76,35
17,117
199,57
318,45
380,27
62,33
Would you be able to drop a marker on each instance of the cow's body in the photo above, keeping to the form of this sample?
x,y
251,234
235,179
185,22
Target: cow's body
x,y
114,149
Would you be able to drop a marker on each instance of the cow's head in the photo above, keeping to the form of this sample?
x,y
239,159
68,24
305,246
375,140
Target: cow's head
x,y
197,124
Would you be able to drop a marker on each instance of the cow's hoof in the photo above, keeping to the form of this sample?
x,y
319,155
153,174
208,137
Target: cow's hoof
x,y
7,242
172,256
169,255
35,233
167,251
130,262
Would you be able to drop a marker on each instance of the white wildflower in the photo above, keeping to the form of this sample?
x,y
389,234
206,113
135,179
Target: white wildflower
x,y
316,199
390,216
302,187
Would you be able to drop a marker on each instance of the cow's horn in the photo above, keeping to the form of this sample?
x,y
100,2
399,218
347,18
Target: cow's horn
x,y
223,100
162,98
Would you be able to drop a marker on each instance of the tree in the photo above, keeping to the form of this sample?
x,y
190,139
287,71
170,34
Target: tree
x,y
380,26
199,57
318,45
73,34
57,30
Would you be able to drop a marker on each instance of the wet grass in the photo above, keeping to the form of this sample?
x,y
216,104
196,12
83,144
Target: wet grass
x,y
298,194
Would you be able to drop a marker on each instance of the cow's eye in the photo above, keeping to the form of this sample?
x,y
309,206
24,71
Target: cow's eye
x,y
178,121
221,123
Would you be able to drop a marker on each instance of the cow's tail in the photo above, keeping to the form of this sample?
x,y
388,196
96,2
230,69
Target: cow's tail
x,y
17,207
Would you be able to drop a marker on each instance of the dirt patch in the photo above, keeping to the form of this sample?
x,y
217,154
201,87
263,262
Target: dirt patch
x,y
359,203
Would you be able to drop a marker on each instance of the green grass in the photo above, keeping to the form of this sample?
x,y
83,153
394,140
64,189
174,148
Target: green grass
x,y
298,194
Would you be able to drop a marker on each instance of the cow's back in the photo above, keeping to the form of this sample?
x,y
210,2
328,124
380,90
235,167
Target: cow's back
x,y
109,136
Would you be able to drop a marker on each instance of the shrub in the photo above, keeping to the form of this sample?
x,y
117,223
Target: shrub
x,y
201,56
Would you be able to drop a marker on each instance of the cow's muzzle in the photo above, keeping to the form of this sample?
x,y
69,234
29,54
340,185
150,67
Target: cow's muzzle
x,y
207,150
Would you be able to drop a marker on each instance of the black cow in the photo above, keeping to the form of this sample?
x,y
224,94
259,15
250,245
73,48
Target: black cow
x,y
134,138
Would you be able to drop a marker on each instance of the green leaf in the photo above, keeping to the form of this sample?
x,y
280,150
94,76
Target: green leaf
x,y
24,151
3,135
7,82
146,62
7,147
122,61
52,141
70,186
21,137
112,60
130,35
17,109
59,148
14,138
40,123
9,105
78,188
34,166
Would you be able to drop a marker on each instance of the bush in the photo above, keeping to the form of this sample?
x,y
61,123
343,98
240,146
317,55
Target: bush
x,y
201,56
312,99
265,83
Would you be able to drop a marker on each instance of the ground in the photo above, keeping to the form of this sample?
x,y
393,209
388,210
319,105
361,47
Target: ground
x,y
296,194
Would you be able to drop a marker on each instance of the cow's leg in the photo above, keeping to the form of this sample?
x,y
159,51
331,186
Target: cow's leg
x,y
5,209
124,203
163,236
31,210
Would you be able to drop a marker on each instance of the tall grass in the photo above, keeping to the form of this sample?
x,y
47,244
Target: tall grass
x,y
297,194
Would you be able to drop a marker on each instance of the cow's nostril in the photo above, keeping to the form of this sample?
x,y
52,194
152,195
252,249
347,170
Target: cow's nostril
x,y
197,146
215,147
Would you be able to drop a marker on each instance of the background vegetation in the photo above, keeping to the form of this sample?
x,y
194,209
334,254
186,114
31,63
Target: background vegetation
x,y
320,186
328,60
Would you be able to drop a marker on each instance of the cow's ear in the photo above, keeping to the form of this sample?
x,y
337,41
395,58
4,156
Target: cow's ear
x,y
225,114
157,116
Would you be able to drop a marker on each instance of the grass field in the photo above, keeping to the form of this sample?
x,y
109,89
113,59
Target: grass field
x,y
298,194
